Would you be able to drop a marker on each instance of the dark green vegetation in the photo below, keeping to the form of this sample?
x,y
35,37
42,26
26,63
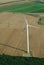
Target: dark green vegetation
x,y
41,21
33,7
12,60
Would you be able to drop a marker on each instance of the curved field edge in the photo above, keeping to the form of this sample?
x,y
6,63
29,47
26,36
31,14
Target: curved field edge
x,y
33,7
6,2
16,60
10,2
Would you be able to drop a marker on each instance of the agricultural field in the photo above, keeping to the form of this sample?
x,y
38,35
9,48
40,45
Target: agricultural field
x,y
5,1
13,34
24,7
13,39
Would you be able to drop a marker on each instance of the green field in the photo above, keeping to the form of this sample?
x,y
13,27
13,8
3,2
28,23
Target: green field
x,y
32,7
13,60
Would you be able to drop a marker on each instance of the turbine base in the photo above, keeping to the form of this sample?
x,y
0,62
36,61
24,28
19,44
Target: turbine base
x,y
27,55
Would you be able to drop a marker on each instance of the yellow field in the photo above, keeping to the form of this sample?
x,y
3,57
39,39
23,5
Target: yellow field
x,y
1,1
13,35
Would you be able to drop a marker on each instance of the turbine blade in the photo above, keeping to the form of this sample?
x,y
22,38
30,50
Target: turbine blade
x,y
33,26
25,20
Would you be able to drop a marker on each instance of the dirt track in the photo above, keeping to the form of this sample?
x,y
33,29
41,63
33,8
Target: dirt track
x,y
12,33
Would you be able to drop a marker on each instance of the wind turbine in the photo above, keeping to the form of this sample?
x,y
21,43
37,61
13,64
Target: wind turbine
x,y
27,34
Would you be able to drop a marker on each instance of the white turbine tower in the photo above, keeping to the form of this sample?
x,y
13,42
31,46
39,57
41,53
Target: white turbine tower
x,y
27,34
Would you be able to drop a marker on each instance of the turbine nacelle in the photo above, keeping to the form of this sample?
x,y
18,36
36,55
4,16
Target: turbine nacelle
x,y
28,24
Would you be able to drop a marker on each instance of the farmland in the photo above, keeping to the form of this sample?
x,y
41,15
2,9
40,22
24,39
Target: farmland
x,y
7,1
13,35
3,1
32,7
